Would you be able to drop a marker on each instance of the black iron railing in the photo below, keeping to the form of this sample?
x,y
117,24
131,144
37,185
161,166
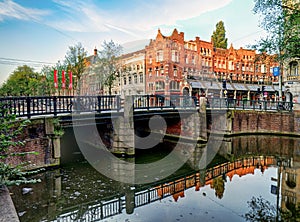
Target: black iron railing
x,y
54,105
164,102
262,105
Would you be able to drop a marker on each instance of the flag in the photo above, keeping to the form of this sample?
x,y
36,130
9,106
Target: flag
x,y
63,79
55,78
70,80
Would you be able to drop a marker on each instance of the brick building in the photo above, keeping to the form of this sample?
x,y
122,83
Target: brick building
x,y
175,66
171,65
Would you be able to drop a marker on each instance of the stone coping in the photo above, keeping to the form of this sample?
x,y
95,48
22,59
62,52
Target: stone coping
x,y
8,212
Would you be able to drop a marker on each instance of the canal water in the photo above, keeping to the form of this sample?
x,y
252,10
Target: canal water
x,y
257,168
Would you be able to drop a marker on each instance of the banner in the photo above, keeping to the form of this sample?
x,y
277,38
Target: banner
x,y
63,79
70,80
55,78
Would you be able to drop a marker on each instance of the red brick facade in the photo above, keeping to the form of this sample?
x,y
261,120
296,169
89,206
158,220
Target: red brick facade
x,y
171,62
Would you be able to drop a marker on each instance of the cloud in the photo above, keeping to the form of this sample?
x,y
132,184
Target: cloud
x,y
10,9
135,18
130,18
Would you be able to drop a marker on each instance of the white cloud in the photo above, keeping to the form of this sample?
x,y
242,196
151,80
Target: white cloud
x,y
10,9
134,19
139,17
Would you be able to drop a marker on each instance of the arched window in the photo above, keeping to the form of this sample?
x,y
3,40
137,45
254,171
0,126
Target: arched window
x,y
294,68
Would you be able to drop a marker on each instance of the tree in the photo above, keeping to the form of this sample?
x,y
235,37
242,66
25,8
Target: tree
x,y
281,21
22,82
48,73
108,65
75,62
219,39
260,210
219,186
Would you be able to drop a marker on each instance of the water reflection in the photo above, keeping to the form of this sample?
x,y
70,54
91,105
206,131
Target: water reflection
x,y
244,167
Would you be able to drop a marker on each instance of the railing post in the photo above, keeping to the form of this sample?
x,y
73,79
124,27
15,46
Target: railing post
x,y
148,102
55,105
99,103
118,102
28,101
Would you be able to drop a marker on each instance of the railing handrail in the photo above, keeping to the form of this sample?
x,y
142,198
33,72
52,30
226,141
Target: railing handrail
x,y
28,106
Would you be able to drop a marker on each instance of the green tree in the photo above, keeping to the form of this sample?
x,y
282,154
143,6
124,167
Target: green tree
x,y
281,21
108,65
75,61
219,36
22,82
48,73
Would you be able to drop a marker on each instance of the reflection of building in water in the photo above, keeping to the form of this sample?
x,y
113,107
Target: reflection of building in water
x,y
290,184
239,167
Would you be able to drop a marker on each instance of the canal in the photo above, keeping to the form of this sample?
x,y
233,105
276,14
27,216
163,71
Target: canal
x,y
257,169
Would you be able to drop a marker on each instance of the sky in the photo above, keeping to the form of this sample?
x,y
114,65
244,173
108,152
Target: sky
x,y
40,32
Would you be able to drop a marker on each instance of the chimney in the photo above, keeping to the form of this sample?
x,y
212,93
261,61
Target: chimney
x,y
95,52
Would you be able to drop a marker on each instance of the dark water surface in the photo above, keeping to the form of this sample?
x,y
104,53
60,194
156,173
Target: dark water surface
x,y
245,167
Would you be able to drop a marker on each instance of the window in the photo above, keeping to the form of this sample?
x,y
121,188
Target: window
x,y
156,71
294,68
160,85
159,56
135,78
125,81
174,85
162,70
193,60
141,78
186,59
175,56
175,71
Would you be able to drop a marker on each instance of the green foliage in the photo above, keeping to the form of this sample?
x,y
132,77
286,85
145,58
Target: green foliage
x,y
281,21
219,36
10,129
24,82
108,65
75,60
58,130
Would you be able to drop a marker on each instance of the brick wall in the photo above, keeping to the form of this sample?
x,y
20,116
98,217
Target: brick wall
x,y
265,122
36,140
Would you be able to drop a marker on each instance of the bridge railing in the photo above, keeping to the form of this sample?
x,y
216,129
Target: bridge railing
x,y
264,105
54,105
164,102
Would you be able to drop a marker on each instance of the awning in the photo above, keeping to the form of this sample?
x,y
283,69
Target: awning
x,y
229,86
276,88
211,85
197,85
253,87
240,87
269,89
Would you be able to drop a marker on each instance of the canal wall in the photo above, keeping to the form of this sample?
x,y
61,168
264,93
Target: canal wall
x,y
253,122
41,137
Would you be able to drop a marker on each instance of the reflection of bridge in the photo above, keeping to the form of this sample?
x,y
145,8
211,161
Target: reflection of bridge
x,y
140,196
55,105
